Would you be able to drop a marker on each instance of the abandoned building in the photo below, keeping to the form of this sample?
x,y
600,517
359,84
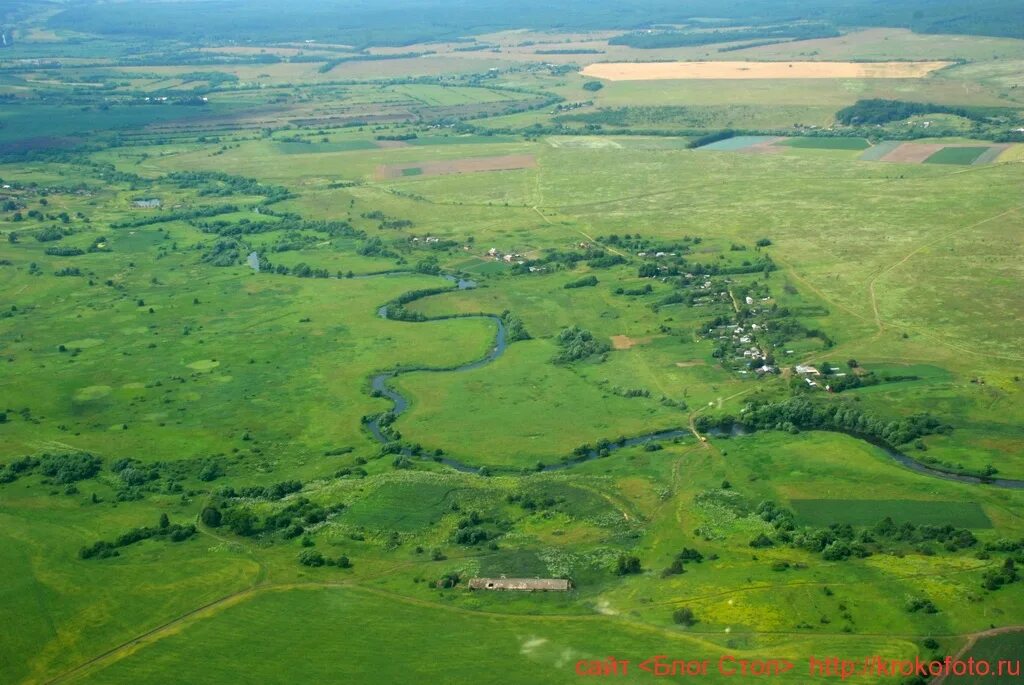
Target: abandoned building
x,y
521,584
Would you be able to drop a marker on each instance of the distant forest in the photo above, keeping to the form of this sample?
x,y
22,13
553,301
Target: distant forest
x,y
364,23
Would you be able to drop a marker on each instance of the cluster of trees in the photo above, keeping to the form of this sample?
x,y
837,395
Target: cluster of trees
x,y
799,413
374,247
1004,575
64,251
270,492
222,184
647,289
595,257
838,542
133,472
678,565
628,564
49,234
577,343
396,308
61,469
291,520
585,282
879,111
640,243
471,530
222,253
175,532
311,557
68,271
180,215
515,330
530,502
654,269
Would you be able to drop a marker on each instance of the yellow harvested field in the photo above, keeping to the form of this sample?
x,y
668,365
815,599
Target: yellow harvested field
x,y
1013,153
656,71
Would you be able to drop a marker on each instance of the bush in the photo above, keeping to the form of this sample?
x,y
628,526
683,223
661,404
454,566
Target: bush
x,y
627,565
684,617
577,344
311,557
211,517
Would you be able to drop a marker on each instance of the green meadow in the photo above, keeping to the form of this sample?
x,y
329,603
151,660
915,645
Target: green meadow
x,y
264,414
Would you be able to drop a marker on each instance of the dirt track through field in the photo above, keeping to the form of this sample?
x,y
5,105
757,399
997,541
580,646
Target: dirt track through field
x,y
655,71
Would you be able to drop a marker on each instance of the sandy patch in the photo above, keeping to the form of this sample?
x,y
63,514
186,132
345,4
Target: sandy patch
x,y
912,153
690,363
624,342
764,147
458,166
654,71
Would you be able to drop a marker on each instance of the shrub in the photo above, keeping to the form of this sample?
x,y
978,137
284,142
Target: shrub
x,y
684,617
311,557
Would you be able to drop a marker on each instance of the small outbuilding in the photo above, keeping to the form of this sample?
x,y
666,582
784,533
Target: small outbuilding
x,y
521,584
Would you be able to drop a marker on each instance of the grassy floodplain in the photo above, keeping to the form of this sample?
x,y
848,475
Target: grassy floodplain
x,y
213,436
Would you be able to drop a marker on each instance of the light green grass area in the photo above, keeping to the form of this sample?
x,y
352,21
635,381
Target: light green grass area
x,y
538,649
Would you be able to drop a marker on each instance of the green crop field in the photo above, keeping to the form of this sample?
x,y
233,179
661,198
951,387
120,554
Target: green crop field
x,y
956,155
310,322
869,512
1004,647
829,143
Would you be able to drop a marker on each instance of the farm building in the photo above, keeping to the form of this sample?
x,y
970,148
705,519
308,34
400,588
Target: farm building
x,y
521,584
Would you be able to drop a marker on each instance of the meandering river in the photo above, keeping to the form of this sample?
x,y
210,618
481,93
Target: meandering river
x,y
380,386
